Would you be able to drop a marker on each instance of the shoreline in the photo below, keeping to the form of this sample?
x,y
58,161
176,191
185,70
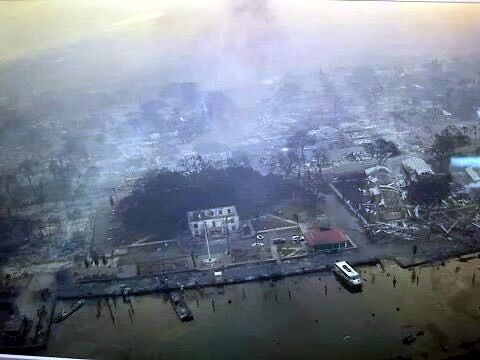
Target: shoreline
x,y
96,288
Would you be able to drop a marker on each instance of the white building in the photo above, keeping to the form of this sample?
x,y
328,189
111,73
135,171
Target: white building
x,y
217,220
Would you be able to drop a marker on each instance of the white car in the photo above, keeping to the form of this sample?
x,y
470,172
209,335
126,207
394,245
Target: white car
x,y
260,237
257,244
297,238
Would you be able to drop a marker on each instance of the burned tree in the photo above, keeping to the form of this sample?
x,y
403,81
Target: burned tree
x,y
282,162
320,159
28,169
446,145
194,164
381,150
299,141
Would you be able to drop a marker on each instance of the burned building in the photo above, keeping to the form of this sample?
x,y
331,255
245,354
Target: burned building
x,y
386,197
415,167
12,325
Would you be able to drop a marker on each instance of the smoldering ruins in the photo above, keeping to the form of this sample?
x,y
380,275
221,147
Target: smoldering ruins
x,y
184,148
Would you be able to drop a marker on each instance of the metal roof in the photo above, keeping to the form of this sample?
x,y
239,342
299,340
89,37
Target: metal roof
x,y
346,268
417,165
473,174
318,237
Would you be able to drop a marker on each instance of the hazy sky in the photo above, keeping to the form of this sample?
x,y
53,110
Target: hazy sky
x,y
220,40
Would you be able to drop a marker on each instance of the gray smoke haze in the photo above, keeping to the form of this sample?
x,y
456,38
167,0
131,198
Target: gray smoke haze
x,y
240,43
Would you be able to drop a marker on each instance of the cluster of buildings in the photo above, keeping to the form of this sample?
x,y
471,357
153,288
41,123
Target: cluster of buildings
x,y
285,234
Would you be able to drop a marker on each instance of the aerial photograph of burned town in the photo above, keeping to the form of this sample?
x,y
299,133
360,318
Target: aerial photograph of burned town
x,y
240,179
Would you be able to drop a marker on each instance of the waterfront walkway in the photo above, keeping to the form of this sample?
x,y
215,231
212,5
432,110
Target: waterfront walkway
x,y
265,270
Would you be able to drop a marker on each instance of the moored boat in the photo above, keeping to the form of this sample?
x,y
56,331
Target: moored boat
x,y
348,275
62,315
180,306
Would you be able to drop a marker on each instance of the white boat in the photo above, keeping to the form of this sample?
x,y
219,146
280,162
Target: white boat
x,y
348,274
62,315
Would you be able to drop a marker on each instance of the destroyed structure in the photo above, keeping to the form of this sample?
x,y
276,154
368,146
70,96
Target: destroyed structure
x,y
415,167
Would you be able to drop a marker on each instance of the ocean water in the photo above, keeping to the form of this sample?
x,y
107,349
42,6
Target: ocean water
x,y
302,317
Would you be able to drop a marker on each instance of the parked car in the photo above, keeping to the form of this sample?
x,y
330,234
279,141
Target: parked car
x,y
257,244
297,238
279,241
260,237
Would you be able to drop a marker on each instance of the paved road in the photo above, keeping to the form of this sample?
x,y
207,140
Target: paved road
x,y
341,217
102,242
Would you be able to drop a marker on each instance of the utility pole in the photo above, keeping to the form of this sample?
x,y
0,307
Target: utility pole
x,y
206,239
228,235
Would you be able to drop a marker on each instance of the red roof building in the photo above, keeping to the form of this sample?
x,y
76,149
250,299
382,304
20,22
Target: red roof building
x,y
327,239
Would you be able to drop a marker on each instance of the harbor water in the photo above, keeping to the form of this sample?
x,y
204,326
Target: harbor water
x,y
302,317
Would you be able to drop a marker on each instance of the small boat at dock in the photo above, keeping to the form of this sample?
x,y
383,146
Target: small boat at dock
x,y
62,315
180,306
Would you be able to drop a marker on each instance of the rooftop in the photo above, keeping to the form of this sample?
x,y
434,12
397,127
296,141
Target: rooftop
x,y
473,174
346,268
212,213
417,165
375,169
318,237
